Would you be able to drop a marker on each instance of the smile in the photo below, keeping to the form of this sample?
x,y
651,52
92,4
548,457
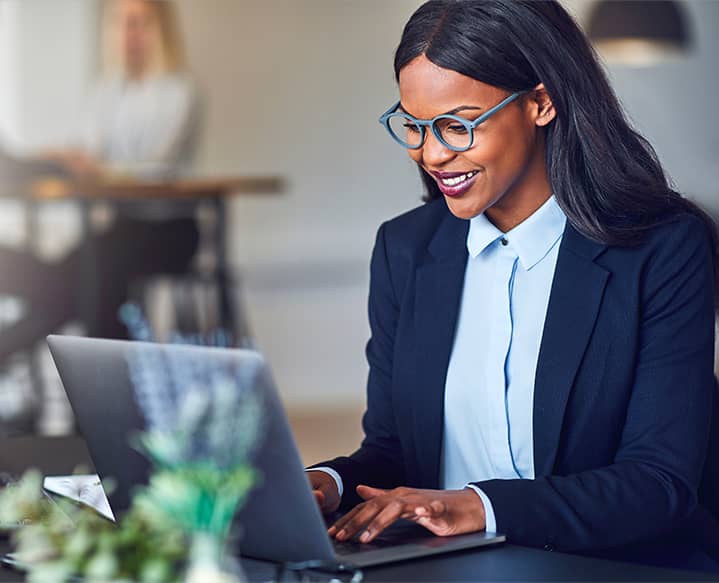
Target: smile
x,y
455,184
454,181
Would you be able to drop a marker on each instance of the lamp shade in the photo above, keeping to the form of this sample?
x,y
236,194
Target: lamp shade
x,y
639,31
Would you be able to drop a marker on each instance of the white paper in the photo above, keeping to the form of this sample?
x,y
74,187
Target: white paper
x,y
86,489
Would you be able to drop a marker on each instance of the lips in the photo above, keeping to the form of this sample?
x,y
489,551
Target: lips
x,y
455,183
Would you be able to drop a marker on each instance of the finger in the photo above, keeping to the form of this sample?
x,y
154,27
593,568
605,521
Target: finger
x,y
360,520
386,516
368,492
340,522
319,497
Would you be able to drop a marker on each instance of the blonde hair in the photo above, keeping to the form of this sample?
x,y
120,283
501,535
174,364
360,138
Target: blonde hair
x,y
168,55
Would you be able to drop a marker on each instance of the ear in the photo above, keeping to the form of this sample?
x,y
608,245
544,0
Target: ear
x,y
542,106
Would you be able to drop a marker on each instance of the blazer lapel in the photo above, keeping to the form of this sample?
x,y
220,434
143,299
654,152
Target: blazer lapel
x,y
574,302
439,283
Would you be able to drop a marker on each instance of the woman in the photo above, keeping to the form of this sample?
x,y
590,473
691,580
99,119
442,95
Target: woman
x,y
141,122
142,116
541,359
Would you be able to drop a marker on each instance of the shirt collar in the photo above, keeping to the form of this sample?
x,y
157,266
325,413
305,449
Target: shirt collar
x,y
532,239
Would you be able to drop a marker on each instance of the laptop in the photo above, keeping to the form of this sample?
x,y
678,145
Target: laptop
x,y
280,520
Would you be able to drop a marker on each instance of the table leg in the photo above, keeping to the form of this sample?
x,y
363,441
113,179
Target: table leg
x,y
232,315
89,288
32,233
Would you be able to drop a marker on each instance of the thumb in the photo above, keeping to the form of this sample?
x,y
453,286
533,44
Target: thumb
x,y
319,497
368,492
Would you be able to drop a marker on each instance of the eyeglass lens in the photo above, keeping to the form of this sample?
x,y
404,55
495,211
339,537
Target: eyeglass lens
x,y
405,130
453,133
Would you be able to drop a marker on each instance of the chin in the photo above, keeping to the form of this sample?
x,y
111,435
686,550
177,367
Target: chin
x,y
463,209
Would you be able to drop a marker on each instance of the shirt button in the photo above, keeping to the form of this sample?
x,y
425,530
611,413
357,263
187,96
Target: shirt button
x,y
504,241
549,548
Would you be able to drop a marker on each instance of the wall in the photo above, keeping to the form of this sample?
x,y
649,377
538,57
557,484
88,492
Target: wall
x,y
46,62
295,88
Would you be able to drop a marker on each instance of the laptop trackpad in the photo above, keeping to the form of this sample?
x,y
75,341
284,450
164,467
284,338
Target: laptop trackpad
x,y
407,540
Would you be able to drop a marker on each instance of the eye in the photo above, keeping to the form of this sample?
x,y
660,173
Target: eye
x,y
457,128
410,127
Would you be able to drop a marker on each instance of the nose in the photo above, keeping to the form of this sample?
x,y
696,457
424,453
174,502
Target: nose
x,y
434,153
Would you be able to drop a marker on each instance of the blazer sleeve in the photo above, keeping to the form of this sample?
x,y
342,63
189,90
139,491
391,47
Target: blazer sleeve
x,y
652,483
378,461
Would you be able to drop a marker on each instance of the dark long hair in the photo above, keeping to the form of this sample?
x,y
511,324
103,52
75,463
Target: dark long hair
x,y
605,176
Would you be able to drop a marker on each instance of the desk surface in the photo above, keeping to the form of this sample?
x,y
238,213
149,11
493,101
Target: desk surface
x,y
124,189
508,562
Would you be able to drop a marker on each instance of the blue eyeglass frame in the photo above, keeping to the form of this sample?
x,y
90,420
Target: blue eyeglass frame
x,y
424,123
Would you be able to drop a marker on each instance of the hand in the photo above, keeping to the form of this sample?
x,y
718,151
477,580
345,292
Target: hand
x,y
76,162
442,512
81,165
325,490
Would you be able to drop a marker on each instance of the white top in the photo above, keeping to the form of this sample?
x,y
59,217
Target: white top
x,y
146,128
489,391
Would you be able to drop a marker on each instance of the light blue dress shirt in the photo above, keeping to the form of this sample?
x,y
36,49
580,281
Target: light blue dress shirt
x,y
489,390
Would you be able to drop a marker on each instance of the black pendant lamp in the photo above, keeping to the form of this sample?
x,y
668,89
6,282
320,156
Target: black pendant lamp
x,y
639,32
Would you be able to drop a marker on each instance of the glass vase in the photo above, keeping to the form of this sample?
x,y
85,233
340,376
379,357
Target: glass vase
x,y
210,563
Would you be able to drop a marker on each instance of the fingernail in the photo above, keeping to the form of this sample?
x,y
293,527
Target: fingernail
x,y
341,534
331,530
365,536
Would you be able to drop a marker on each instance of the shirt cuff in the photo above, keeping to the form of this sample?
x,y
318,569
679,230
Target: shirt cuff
x,y
489,519
335,476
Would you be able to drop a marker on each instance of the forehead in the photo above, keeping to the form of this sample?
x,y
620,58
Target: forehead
x,y
427,90
133,8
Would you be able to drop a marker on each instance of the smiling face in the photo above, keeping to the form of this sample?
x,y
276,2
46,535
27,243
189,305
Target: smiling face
x,y
504,173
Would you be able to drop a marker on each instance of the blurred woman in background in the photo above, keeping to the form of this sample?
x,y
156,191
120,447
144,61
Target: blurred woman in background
x,y
142,122
142,118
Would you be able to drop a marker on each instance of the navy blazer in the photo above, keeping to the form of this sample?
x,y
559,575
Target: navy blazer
x,y
623,389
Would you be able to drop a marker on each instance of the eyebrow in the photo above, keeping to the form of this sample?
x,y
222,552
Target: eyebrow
x,y
450,112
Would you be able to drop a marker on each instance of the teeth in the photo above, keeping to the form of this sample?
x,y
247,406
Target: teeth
x,y
457,179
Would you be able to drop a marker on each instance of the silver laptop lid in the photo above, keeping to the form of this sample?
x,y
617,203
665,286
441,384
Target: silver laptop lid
x,y
280,520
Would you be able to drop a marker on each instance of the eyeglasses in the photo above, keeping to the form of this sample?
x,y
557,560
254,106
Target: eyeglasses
x,y
452,131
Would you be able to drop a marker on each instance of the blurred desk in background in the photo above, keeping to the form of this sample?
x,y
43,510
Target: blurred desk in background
x,y
118,191
126,189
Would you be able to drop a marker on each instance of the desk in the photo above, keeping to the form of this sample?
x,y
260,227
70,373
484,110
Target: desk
x,y
504,563
214,191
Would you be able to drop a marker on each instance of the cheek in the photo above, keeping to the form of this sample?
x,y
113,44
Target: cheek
x,y
415,155
501,153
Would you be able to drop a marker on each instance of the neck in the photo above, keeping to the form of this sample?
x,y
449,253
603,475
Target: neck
x,y
506,219
524,197
136,71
